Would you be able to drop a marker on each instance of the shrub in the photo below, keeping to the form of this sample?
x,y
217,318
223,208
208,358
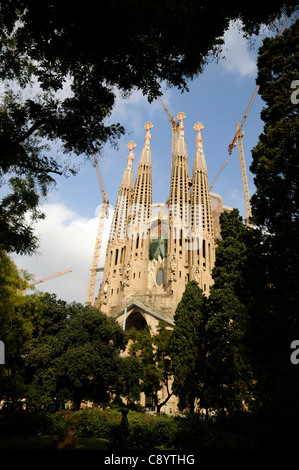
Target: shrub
x,y
145,431
89,423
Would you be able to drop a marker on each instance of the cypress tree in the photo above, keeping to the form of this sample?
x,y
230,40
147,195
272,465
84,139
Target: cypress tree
x,y
188,347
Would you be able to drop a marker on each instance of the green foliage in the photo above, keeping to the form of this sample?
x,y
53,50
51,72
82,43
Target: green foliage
x,y
81,359
273,264
18,317
188,348
56,349
275,157
145,431
227,368
16,232
209,359
149,432
152,353
239,431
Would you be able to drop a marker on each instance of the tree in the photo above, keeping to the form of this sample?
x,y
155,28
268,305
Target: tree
x,y
17,324
47,47
81,360
57,349
275,207
128,381
228,376
188,347
153,354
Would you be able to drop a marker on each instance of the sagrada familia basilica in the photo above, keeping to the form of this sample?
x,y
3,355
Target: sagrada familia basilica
x,y
154,250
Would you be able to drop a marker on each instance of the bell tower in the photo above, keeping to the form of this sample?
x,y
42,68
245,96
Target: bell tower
x,y
117,243
202,251
154,250
179,218
139,215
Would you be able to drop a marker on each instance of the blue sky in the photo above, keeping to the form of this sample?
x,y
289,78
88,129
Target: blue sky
x,y
218,98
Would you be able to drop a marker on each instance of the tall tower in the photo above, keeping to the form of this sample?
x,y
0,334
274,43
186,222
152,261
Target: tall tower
x,y
139,215
116,248
179,218
155,250
202,254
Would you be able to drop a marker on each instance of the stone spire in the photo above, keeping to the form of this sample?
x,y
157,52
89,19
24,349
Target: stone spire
x,y
200,187
181,145
203,253
199,158
127,179
119,223
145,158
179,215
142,195
179,185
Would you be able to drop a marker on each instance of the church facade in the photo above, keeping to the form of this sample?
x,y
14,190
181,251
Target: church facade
x,y
154,250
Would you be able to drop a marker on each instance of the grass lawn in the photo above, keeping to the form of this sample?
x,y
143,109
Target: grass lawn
x,y
44,442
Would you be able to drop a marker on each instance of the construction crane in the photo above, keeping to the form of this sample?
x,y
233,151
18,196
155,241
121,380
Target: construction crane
x,y
98,243
46,278
174,124
218,174
238,140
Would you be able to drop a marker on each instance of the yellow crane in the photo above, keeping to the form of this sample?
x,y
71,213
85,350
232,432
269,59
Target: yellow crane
x,y
218,174
174,124
46,278
98,243
238,140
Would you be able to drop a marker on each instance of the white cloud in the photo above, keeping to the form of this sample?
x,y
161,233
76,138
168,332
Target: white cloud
x,y
66,241
132,110
237,57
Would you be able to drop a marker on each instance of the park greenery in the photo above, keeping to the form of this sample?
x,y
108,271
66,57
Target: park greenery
x,y
228,353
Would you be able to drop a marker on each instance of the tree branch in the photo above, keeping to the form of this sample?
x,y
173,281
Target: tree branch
x,y
27,134
9,145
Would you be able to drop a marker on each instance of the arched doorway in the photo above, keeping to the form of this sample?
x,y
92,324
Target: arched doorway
x,y
136,320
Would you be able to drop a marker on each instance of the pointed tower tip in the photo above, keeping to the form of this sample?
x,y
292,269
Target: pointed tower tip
x,y
130,146
148,126
198,128
180,117
181,148
199,160
145,157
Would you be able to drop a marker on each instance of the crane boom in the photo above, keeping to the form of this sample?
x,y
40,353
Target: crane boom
x,y
240,126
174,125
218,174
171,118
104,195
98,243
51,276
